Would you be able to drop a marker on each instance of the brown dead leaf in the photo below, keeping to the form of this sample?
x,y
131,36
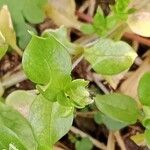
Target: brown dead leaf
x,y
7,30
6,26
130,85
62,12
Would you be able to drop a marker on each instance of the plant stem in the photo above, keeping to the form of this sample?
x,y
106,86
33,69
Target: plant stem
x,y
94,141
137,38
77,62
111,141
100,85
120,140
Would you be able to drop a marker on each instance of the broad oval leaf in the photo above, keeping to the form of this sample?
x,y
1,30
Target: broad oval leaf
x,y
47,62
18,124
21,101
140,23
118,107
108,57
50,121
110,123
44,59
8,137
144,89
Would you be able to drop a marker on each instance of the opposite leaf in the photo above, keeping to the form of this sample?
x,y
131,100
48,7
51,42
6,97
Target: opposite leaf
x,y
118,107
50,121
144,89
108,57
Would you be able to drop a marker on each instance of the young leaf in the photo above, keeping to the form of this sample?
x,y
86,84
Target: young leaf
x,y
108,57
18,124
30,10
21,101
8,137
118,107
144,88
78,94
50,121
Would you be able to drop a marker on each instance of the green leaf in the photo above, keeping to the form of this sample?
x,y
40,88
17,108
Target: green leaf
x,y
61,35
21,101
78,94
28,10
47,62
144,88
146,120
18,124
108,57
139,138
110,123
50,121
147,137
9,137
87,29
85,143
98,117
99,23
119,107
121,6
